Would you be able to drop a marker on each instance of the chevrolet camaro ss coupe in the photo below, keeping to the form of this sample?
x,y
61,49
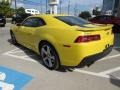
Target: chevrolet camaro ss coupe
x,y
62,39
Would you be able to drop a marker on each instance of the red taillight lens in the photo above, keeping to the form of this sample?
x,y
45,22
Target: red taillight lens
x,y
87,38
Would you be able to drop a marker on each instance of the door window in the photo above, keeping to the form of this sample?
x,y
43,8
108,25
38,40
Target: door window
x,y
34,22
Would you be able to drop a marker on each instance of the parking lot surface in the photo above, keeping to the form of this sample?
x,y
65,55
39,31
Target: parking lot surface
x,y
28,70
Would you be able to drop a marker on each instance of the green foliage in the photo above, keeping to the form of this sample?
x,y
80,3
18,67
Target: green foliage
x,y
85,15
21,10
5,8
96,11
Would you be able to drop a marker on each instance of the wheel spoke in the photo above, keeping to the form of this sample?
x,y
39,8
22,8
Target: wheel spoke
x,y
13,38
44,51
48,50
52,57
46,61
45,58
50,62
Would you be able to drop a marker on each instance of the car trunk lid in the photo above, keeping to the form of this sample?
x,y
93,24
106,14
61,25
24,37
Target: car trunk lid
x,y
105,31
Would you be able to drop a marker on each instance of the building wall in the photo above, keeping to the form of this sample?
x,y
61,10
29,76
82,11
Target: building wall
x,y
112,6
107,6
115,7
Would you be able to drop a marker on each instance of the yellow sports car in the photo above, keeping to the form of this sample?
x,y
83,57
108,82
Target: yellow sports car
x,y
63,40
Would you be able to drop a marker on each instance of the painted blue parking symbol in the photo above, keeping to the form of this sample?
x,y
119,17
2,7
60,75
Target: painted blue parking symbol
x,y
12,80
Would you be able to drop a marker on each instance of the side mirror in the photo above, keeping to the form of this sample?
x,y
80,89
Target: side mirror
x,y
18,24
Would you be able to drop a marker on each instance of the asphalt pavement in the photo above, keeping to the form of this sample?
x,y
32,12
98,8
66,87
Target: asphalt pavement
x,y
21,69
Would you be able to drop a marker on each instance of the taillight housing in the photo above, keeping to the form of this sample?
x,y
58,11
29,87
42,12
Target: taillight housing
x,y
87,38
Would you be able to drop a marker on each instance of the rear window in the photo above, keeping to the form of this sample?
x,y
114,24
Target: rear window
x,y
72,21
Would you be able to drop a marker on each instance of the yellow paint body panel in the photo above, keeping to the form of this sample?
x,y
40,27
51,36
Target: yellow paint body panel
x,y
59,34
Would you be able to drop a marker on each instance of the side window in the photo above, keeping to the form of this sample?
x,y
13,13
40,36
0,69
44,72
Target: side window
x,y
27,22
34,22
41,22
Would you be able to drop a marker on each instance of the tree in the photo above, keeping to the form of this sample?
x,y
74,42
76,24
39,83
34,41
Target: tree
x,y
5,8
85,15
96,11
20,10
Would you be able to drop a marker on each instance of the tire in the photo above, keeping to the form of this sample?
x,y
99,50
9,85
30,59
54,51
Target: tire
x,y
49,56
3,25
116,29
13,39
13,22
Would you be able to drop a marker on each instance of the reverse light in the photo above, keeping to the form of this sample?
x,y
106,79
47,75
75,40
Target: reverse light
x,y
87,38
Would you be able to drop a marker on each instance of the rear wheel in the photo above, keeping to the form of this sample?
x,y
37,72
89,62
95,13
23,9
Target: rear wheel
x,y
116,28
49,56
13,38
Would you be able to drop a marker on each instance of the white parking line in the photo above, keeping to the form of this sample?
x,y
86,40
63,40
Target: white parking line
x,y
16,51
19,51
110,71
12,52
108,57
103,74
22,58
28,56
91,73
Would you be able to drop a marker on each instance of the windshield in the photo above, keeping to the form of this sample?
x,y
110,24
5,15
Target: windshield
x,y
72,21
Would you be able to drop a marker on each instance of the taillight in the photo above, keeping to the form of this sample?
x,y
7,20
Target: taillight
x,y
87,38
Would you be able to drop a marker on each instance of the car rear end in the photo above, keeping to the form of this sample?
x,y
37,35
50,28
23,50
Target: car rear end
x,y
84,40
88,46
2,20
96,43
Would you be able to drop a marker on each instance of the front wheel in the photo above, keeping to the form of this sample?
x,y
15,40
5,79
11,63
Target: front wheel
x,y
13,39
49,56
3,25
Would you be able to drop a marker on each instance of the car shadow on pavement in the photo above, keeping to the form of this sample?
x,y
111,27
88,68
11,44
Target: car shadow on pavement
x,y
115,81
37,57
31,54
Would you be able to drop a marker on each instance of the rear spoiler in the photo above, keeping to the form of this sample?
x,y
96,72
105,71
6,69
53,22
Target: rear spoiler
x,y
98,27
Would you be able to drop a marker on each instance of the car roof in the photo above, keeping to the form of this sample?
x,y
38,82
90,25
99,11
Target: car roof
x,y
49,15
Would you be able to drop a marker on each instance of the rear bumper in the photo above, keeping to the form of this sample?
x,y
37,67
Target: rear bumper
x,y
87,61
2,23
